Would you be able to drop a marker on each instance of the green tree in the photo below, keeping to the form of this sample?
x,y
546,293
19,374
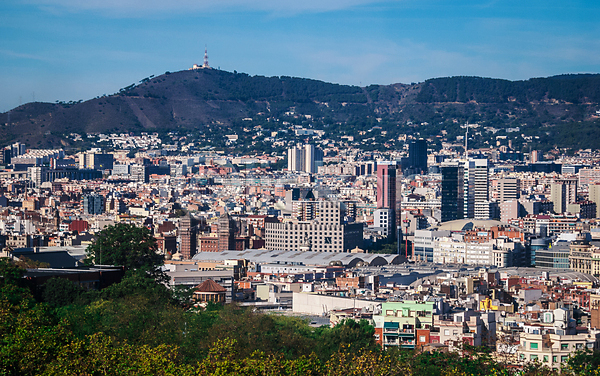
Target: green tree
x,y
126,245
352,335
583,362
13,287
59,292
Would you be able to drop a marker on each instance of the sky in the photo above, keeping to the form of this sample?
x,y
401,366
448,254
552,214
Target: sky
x,y
78,49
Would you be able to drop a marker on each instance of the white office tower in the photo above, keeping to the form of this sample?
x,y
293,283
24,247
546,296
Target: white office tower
x,y
482,194
309,158
469,189
476,189
303,158
295,159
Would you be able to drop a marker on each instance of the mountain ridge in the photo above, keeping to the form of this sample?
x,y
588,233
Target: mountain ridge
x,y
210,101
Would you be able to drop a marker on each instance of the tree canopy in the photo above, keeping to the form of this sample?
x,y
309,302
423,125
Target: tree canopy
x,y
125,245
135,327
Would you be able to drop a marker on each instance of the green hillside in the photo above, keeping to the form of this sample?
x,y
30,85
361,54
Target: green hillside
x,y
208,102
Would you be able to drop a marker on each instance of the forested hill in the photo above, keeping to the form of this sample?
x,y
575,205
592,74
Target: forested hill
x,y
566,88
209,102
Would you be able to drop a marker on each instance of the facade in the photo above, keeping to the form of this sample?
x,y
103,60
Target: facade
x,y
552,350
556,256
187,233
93,204
477,204
331,212
423,244
584,257
452,191
589,176
120,169
448,250
404,324
386,186
594,196
305,158
225,233
383,220
417,156
554,340
562,193
508,189
509,210
389,193
96,161
140,173
314,236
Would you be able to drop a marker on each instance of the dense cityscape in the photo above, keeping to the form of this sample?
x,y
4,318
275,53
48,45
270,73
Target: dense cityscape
x,y
436,249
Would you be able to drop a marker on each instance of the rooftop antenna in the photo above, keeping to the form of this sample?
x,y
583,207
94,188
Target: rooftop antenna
x,y
467,143
205,57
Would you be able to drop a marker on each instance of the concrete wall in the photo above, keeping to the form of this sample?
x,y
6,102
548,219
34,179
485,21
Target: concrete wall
x,y
318,304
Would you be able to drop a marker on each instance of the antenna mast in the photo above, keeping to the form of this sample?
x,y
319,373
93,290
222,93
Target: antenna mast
x,y
467,143
205,57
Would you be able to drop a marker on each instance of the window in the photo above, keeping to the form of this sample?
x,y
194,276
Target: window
x,y
389,312
564,346
446,332
555,359
422,338
564,358
533,357
522,356
545,358
579,346
533,345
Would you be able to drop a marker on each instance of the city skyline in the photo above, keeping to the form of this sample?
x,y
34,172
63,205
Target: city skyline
x,y
67,50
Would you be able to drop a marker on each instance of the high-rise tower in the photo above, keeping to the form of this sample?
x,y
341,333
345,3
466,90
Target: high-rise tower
x,y
187,232
481,194
304,158
387,206
452,191
417,156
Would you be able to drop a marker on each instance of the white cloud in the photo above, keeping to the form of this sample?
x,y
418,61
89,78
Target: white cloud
x,y
20,55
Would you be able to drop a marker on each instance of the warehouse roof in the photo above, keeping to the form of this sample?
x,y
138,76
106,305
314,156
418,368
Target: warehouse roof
x,y
263,256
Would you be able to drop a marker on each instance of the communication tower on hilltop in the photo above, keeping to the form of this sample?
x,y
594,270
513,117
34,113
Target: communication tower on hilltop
x,y
205,65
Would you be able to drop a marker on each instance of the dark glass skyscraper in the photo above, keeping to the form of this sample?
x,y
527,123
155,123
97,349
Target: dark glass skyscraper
x,y
452,191
417,156
93,204
389,191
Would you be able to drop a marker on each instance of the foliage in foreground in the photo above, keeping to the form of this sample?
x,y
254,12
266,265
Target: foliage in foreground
x,y
138,327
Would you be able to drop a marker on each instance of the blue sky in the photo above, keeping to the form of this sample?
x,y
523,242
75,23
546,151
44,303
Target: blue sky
x,y
78,49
